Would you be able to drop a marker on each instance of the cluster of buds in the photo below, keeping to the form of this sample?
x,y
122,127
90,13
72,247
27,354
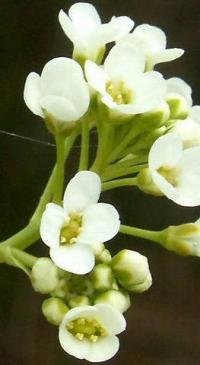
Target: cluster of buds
x,y
88,308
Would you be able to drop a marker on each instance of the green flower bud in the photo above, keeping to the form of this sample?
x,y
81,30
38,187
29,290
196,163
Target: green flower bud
x,y
79,301
132,270
118,299
146,184
54,309
61,290
44,275
102,277
101,253
183,239
156,117
179,108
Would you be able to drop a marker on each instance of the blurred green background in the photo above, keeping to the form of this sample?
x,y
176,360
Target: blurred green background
x,y
163,324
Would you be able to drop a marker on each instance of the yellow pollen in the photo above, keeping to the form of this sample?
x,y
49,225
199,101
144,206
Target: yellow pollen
x,y
83,328
120,93
71,229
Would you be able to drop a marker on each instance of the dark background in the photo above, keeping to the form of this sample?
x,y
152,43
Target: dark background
x,y
163,324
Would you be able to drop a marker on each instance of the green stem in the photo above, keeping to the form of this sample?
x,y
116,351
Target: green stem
x,y
115,171
142,233
104,145
24,238
124,143
25,258
85,136
60,168
119,183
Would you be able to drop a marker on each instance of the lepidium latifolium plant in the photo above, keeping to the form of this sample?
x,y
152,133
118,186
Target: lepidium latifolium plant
x,y
148,138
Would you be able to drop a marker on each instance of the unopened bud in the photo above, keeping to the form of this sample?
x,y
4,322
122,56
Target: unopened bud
x,y
79,301
132,270
179,108
183,239
44,275
62,289
102,277
146,183
156,117
118,299
54,310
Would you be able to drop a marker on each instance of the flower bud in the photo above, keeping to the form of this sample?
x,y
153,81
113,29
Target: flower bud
x,y
179,107
146,183
102,277
62,289
118,299
44,275
183,239
156,117
101,253
54,309
78,301
132,270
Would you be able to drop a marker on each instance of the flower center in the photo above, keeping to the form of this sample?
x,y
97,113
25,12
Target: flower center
x,y
119,93
170,174
89,329
71,229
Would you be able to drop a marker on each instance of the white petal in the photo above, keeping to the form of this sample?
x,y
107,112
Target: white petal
x,y
189,131
71,345
68,27
124,62
96,76
83,190
75,258
60,77
100,223
103,349
166,151
118,27
84,15
189,179
153,37
110,318
32,93
195,113
52,221
168,55
150,91
60,108
179,86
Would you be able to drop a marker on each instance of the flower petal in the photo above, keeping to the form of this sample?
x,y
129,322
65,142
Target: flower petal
x,y
32,93
153,38
100,223
60,108
195,113
118,27
124,62
110,318
168,55
85,16
83,190
179,86
96,76
71,345
103,349
75,258
68,27
189,179
166,151
52,221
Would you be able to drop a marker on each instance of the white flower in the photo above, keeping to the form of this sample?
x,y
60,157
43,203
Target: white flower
x,y
122,83
189,128
84,28
152,42
90,332
70,231
60,91
175,171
